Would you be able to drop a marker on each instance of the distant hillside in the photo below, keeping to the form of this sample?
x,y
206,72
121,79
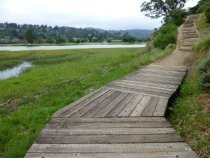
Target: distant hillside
x,y
137,33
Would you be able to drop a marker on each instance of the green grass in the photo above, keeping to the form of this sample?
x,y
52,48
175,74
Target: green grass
x,y
202,26
57,79
191,113
203,46
190,117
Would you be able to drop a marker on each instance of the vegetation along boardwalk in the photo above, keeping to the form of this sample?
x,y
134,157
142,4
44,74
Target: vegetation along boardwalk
x,y
124,119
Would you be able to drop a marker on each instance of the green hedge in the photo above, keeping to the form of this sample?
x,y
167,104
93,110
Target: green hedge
x,y
204,69
203,45
166,35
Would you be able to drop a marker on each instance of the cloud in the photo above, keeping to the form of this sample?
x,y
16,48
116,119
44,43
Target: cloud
x,y
107,14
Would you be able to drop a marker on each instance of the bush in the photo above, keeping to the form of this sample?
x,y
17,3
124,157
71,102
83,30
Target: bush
x,y
129,39
204,66
207,14
203,45
204,69
178,16
165,36
205,80
203,6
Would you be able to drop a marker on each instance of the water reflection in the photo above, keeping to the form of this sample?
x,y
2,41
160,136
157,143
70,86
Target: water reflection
x,y
15,71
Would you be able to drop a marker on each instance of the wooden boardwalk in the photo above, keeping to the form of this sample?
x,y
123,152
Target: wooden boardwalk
x,y
124,119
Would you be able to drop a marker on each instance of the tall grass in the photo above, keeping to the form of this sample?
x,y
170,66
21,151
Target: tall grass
x,y
203,46
190,116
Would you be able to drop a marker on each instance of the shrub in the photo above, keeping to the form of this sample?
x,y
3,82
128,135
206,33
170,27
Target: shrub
x,y
204,69
165,36
205,80
207,14
204,66
203,6
203,45
178,16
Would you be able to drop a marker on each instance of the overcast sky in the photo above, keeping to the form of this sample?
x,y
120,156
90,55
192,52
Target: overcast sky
x,y
105,14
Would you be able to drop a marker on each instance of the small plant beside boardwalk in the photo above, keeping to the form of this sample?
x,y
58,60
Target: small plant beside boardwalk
x,y
204,69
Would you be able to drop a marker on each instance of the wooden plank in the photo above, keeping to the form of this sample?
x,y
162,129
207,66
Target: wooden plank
x,y
146,83
143,87
114,155
91,105
107,139
170,68
161,107
152,80
94,131
140,106
109,148
70,125
183,70
96,109
116,110
129,108
108,120
159,77
167,74
163,72
111,105
146,92
136,93
150,108
70,109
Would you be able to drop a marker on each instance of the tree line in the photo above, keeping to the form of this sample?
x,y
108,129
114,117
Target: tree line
x,y
15,33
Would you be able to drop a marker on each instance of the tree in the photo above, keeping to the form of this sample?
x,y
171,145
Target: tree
x,y
29,35
128,38
161,8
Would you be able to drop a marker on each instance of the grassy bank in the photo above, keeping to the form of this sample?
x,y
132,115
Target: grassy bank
x,y
57,79
191,113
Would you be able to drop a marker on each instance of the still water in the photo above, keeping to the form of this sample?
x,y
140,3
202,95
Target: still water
x,y
26,48
15,71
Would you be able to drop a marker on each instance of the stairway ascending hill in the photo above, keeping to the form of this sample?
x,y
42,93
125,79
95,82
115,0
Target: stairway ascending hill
x,y
189,35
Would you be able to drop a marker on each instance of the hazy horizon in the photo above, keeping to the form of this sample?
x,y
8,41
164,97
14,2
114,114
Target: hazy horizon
x,y
107,15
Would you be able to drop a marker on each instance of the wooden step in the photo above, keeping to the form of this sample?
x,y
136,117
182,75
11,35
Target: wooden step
x,y
110,148
191,44
186,48
189,32
188,29
190,36
190,40
114,155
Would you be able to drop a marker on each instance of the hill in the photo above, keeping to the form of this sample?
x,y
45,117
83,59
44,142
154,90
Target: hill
x,y
137,33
